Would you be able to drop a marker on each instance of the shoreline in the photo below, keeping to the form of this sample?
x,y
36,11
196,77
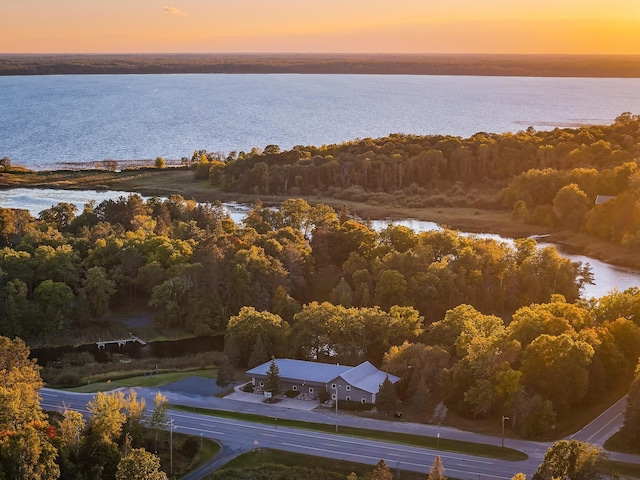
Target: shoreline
x,y
520,65
180,181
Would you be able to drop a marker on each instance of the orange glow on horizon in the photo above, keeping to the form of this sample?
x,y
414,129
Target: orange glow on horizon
x,y
360,26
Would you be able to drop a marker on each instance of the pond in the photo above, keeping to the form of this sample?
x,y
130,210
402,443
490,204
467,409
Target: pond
x,y
159,349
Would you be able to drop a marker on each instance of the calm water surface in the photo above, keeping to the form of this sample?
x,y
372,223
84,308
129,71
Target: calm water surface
x,y
48,120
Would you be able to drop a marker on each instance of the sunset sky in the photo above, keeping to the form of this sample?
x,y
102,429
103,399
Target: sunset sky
x,y
331,26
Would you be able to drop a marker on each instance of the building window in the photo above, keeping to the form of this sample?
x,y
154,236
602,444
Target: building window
x,y
333,386
295,388
310,389
348,388
363,400
262,384
333,396
348,398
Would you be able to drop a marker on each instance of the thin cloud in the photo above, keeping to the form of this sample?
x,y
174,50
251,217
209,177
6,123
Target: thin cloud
x,y
174,11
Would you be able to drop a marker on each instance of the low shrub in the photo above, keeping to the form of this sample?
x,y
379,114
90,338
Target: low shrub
x,y
247,387
291,394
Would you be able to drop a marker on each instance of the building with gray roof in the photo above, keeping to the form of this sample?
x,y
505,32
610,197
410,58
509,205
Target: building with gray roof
x,y
360,383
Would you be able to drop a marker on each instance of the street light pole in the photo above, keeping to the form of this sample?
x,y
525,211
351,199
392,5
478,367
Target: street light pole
x,y
171,446
503,419
337,386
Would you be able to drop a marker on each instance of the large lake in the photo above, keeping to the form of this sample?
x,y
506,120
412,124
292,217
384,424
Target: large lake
x,y
48,120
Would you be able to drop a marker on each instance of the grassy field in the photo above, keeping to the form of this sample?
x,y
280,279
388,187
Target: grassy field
x,y
263,457
136,379
468,448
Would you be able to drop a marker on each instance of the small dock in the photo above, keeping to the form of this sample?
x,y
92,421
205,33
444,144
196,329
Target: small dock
x,y
122,342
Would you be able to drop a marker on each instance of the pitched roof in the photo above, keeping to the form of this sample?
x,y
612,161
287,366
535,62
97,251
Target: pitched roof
x,y
367,377
302,370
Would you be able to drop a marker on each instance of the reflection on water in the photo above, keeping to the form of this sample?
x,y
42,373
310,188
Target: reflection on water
x,y
606,276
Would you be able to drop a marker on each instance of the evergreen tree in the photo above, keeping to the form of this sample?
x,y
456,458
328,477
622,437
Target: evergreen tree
x,y
387,397
232,352
437,470
421,397
272,382
226,374
259,354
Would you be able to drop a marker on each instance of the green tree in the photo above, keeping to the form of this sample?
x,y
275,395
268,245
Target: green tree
x,y
387,397
139,464
170,298
53,300
381,471
391,289
570,205
259,353
60,215
15,303
272,381
557,368
573,460
226,373
97,289
245,328
437,470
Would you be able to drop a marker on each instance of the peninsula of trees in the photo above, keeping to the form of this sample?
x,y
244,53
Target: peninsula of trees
x,y
584,179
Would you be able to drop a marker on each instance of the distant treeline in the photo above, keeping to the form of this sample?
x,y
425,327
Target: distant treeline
x,y
626,66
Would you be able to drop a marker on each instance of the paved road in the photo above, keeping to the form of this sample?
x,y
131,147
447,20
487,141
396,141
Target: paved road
x,y
238,437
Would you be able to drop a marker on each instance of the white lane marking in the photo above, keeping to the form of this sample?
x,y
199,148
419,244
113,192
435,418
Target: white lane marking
x,y
604,426
314,435
213,432
376,458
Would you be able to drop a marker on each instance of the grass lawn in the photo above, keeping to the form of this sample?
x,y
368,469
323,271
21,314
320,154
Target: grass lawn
x,y
143,381
622,469
469,448
262,457
570,424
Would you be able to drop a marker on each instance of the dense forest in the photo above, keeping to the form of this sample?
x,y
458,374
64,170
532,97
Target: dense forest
x,y
198,268
484,325
550,178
